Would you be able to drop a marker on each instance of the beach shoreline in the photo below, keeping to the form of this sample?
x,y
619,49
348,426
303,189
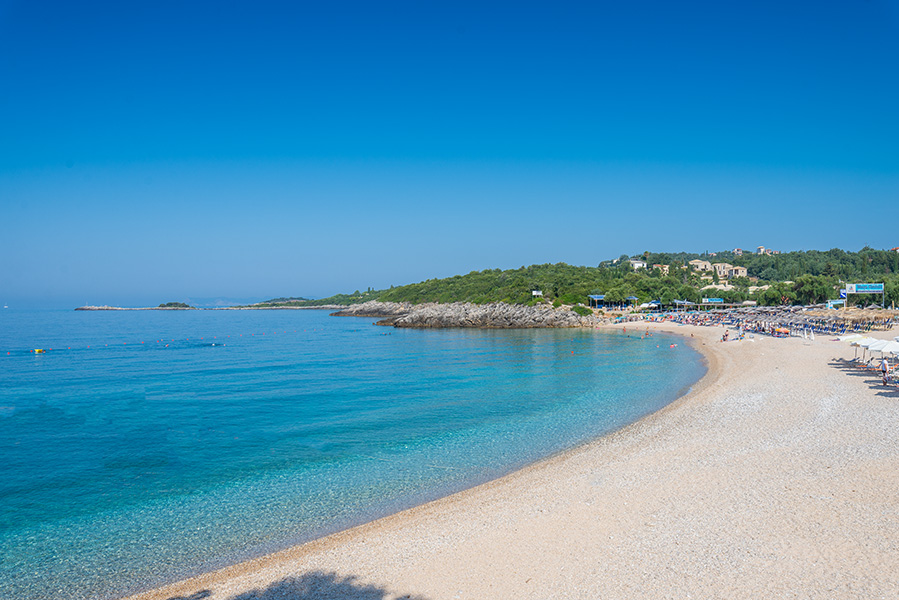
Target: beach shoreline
x,y
629,514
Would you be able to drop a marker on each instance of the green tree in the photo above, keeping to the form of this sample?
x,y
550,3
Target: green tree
x,y
769,274
615,296
811,289
668,296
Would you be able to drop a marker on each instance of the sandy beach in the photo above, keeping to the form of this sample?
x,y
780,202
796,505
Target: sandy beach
x,y
776,477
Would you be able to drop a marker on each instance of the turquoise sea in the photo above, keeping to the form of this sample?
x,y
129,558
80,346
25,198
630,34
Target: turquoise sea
x,y
146,446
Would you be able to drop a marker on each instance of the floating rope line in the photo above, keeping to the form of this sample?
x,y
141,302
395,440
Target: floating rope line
x,y
161,343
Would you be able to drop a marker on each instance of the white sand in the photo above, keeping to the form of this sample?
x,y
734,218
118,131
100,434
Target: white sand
x,y
778,477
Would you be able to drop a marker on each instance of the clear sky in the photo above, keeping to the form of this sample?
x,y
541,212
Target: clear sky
x,y
160,151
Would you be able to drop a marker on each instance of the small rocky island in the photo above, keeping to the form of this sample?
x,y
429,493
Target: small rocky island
x,y
165,306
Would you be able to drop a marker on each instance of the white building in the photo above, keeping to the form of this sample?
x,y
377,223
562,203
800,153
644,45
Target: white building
x,y
721,269
701,265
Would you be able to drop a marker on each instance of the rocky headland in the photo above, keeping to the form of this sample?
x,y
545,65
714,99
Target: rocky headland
x,y
463,314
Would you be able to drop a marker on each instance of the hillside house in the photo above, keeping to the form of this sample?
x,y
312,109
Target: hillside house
x,y
700,265
721,269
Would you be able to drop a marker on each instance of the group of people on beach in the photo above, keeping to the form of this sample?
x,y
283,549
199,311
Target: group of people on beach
x,y
744,326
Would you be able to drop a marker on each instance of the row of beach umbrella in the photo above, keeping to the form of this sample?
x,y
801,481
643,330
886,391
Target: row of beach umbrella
x,y
798,319
872,344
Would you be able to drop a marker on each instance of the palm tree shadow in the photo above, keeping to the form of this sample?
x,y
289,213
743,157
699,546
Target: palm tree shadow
x,y
317,585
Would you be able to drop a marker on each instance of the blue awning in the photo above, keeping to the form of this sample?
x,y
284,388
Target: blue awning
x,y
597,296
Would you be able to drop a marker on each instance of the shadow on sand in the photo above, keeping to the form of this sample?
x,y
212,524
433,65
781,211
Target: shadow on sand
x,y
195,596
872,376
314,585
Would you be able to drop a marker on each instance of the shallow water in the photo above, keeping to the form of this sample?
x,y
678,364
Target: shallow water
x,y
148,446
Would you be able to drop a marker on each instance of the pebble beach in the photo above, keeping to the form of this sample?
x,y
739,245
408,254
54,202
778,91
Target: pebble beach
x,y
777,476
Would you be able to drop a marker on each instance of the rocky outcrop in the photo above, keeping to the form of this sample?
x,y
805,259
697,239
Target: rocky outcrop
x,y
283,307
463,314
373,308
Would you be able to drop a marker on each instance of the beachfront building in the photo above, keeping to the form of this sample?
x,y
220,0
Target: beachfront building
x,y
700,265
737,272
637,264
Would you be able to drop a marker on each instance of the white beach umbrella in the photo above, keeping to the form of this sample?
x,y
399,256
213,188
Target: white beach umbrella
x,y
891,347
851,337
877,345
863,343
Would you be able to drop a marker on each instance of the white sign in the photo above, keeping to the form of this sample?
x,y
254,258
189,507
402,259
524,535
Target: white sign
x,y
864,288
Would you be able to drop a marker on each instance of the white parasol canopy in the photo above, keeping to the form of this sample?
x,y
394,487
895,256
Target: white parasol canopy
x,y
877,345
851,337
891,347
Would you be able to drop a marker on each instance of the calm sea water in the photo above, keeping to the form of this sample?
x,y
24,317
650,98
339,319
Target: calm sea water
x,y
149,446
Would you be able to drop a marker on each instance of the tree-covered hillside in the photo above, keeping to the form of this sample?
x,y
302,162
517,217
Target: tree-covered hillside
x,y
836,264
794,277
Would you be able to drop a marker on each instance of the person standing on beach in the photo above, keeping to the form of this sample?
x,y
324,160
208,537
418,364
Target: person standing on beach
x,y
884,369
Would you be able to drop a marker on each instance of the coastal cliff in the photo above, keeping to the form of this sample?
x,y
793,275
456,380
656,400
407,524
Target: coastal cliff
x,y
497,315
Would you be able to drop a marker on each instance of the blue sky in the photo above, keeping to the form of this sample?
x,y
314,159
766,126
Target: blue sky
x,y
155,151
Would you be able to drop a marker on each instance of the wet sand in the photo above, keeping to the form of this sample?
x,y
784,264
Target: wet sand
x,y
776,477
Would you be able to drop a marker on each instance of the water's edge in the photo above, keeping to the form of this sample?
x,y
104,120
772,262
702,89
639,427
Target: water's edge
x,y
707,377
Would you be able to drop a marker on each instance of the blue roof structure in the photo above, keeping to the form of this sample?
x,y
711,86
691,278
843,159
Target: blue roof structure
x,y
597,296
